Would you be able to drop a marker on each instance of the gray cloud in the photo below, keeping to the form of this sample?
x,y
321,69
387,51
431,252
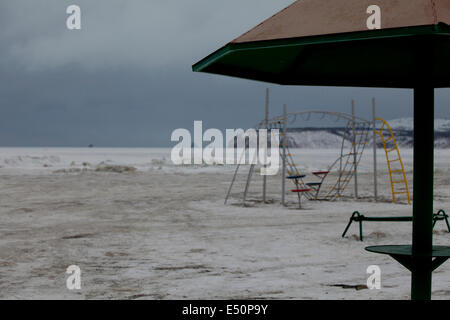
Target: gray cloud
x,y
125,79
117,32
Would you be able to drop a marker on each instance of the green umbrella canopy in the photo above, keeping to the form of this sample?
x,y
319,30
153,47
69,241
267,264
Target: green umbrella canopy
x,y
323,42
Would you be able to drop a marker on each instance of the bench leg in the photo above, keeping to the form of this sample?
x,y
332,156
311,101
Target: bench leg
x,y
441,214
445,215
446,220
348,226
353,218
360,231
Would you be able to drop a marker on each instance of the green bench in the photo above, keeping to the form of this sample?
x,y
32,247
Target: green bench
x,y
357,217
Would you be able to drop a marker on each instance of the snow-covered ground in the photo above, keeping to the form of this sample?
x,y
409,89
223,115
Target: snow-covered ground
x,y
163,232
50,160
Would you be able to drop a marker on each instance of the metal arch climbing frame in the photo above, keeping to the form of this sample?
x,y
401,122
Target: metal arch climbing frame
x,y
308,113
347,167
390,145
348,162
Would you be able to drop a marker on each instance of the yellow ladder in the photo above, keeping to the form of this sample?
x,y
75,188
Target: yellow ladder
x,y
397,174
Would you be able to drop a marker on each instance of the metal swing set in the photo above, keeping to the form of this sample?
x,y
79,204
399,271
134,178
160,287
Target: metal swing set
x,y
355,136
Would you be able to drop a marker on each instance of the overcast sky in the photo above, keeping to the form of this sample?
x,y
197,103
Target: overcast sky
x,y
125,78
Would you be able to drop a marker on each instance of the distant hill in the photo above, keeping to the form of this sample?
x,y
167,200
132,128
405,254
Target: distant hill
x,y
440,125
324,138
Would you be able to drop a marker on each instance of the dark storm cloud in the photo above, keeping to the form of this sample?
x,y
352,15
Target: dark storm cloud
x,y
125,79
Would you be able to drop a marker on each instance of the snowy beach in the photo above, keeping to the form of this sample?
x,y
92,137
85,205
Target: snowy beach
x,y
141,228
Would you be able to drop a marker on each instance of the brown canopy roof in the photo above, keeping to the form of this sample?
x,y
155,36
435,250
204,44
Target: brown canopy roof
x,y
320,17
328,42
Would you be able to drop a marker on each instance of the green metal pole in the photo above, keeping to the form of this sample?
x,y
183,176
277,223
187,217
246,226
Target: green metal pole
x,y
423,192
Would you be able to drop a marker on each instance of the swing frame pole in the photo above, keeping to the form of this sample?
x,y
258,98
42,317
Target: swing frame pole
x,y
375,186
283,171
355,156
265,144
